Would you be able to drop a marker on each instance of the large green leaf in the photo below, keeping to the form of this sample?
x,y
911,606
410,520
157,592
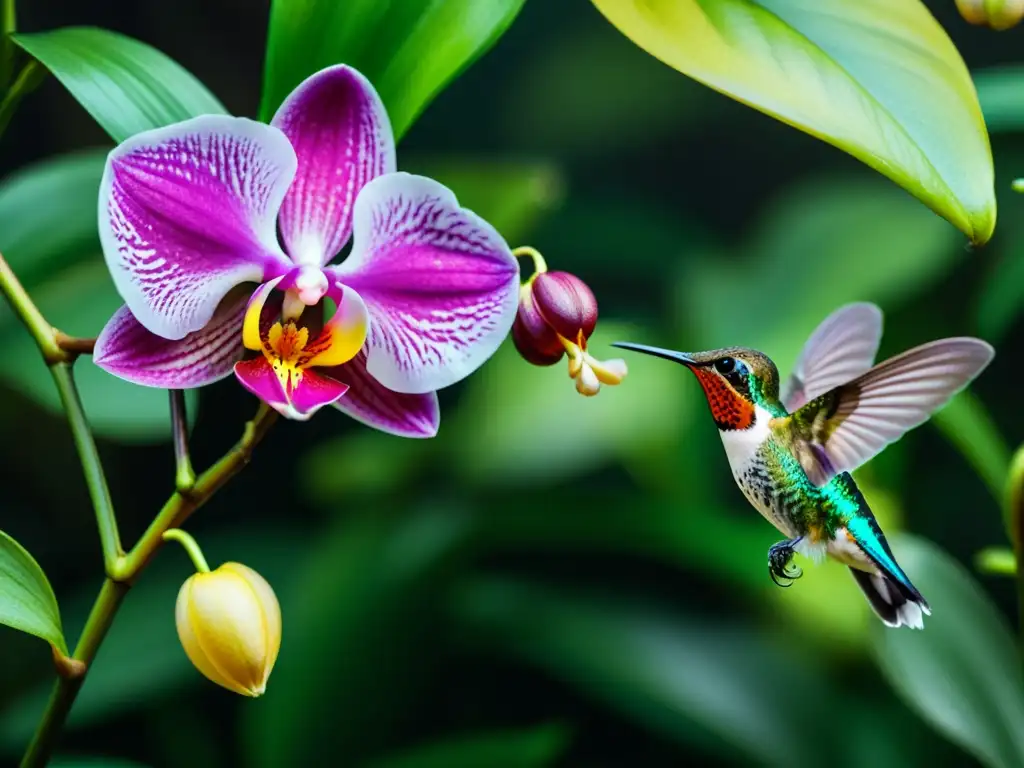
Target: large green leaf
x,y
346,671
532,748
877,78
27,602
680,677
126,85
962,673
409,49
79,300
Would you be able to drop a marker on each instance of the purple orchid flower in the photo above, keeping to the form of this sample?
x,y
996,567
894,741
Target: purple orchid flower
x,y
189,219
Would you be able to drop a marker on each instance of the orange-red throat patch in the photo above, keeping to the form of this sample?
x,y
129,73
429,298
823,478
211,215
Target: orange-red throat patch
x,y
729,409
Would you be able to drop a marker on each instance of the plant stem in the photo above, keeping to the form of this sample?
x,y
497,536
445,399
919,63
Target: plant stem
x,y
8,25
31,75
539,265
1014,518
181,505
29,314
106,522
191,547
66,688
184,477
74,344
126,570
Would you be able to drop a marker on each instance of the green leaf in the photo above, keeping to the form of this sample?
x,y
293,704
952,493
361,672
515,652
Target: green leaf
x,y
126,85
662,671
968,425
79,300
879,79
364,590
999,90
553,431
962,674
997,560
532,748
410,50
513,196
27,602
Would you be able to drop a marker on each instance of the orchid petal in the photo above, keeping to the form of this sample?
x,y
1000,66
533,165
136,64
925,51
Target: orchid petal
x,y
313,392
129,351
341,133
344,334
441,284
189,211
260,378
255,324
371,403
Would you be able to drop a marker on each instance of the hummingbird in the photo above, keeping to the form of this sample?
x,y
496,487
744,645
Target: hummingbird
x,y
792,449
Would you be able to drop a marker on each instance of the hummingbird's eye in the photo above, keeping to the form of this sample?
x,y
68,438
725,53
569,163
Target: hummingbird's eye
x,y
725,365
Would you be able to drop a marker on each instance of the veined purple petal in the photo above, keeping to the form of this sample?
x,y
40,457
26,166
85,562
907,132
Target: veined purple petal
x,y
342,136
441,284
371,403
127,350
189,211
314,392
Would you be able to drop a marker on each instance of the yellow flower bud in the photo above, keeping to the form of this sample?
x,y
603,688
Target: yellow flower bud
x,y
997,14
229,623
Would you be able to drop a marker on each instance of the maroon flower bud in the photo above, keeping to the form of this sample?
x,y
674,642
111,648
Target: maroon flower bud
x,y
536,341
567,303
557,314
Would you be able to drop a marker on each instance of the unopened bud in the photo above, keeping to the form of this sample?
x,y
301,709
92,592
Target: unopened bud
x,y
229,623
997,14
557,314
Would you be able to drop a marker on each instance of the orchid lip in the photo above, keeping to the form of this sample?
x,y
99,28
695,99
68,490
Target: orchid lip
x,y
668,354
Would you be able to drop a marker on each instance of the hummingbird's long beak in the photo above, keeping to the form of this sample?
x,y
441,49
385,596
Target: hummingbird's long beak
x,y
668,354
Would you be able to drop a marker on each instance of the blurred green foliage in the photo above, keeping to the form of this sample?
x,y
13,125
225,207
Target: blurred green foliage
x,y
552,580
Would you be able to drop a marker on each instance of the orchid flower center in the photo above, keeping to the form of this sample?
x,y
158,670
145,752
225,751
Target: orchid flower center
x,y
308,288
283,349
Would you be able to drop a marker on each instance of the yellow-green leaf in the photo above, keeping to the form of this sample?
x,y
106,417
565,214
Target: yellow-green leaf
x,y
879,79
27,602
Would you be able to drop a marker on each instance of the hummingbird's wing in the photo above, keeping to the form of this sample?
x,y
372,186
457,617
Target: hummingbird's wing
x,y
845,427
841,348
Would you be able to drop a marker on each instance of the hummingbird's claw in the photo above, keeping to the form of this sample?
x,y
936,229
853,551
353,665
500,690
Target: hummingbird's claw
x,y
780,566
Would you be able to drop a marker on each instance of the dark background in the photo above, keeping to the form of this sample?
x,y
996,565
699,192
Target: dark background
x,y
581,566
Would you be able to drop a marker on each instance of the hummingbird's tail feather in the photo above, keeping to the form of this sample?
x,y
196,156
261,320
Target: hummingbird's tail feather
x,y
895,603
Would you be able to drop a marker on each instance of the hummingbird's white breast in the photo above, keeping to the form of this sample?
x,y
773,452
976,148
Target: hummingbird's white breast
x,y
743,447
